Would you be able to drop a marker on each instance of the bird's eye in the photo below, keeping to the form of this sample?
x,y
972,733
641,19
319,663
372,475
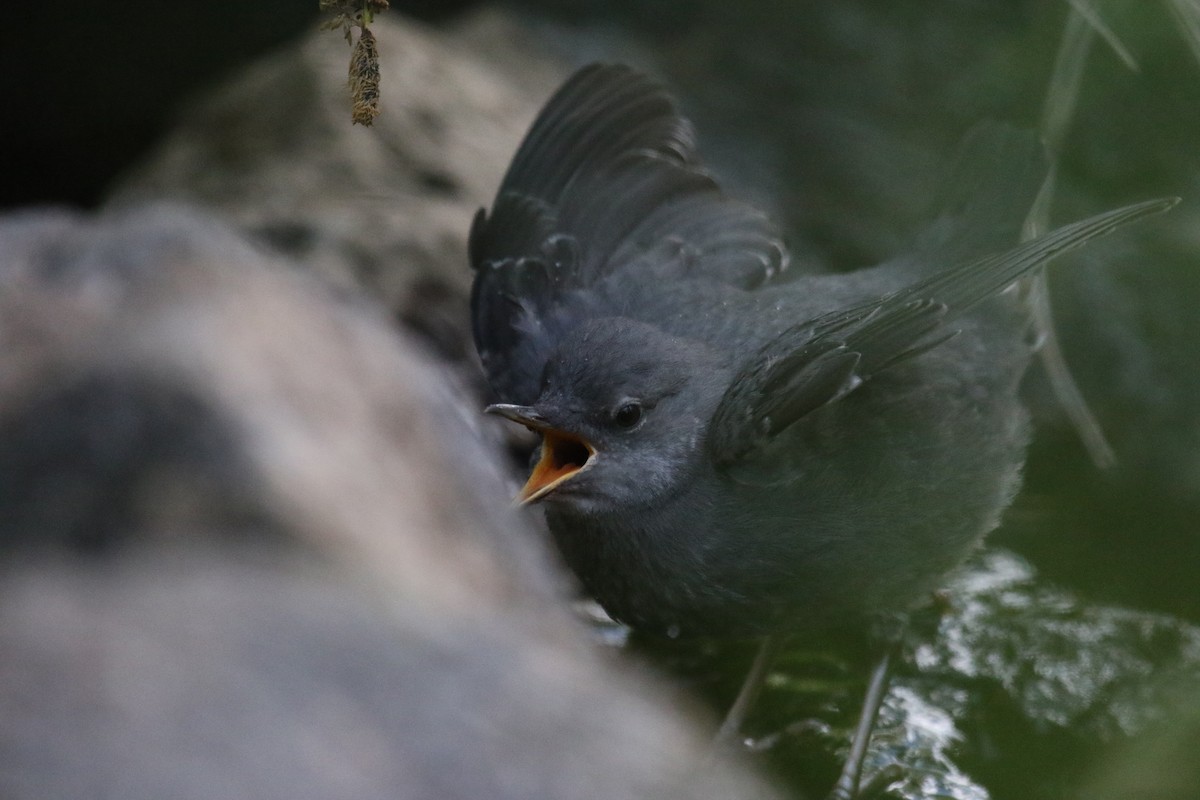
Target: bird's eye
x,y
628,415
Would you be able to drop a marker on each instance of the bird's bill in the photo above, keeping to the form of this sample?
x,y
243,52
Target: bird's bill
x,y
563,454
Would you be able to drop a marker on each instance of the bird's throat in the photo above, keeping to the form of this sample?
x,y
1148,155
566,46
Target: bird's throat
x,y
562,457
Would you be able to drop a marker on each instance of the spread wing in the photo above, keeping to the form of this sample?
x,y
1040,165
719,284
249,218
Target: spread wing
x,y
823,360
604,200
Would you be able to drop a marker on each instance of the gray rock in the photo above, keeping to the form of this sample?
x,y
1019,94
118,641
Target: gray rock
x,y
251,548
383,209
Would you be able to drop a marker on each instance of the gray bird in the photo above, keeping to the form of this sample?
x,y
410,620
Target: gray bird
x,y
728,448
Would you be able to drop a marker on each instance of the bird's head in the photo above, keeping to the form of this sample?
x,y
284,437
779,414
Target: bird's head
x,y
622,412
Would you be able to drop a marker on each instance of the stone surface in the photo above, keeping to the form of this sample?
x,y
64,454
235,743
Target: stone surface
x,y
383,209
252,545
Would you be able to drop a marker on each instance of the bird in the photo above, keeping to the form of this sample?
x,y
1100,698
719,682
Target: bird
x,y
730,447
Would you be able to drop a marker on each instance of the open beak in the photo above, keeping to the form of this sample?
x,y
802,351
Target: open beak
x,y
564,455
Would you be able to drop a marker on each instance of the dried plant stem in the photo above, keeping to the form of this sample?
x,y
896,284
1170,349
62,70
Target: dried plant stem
x,y
364,79
364,60
1062,95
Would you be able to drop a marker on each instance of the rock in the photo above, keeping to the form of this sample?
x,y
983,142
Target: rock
x,y
254,547
383,209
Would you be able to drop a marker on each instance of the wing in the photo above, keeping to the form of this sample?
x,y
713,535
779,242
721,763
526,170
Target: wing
x,y
604,200
823,360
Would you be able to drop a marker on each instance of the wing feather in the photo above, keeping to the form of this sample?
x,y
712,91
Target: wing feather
x,y
823,360
605,185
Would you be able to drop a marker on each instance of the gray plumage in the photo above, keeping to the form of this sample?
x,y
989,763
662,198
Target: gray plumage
x,y
729,451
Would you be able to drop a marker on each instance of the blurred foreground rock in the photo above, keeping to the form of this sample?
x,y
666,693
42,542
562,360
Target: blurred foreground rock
x,y
251,549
